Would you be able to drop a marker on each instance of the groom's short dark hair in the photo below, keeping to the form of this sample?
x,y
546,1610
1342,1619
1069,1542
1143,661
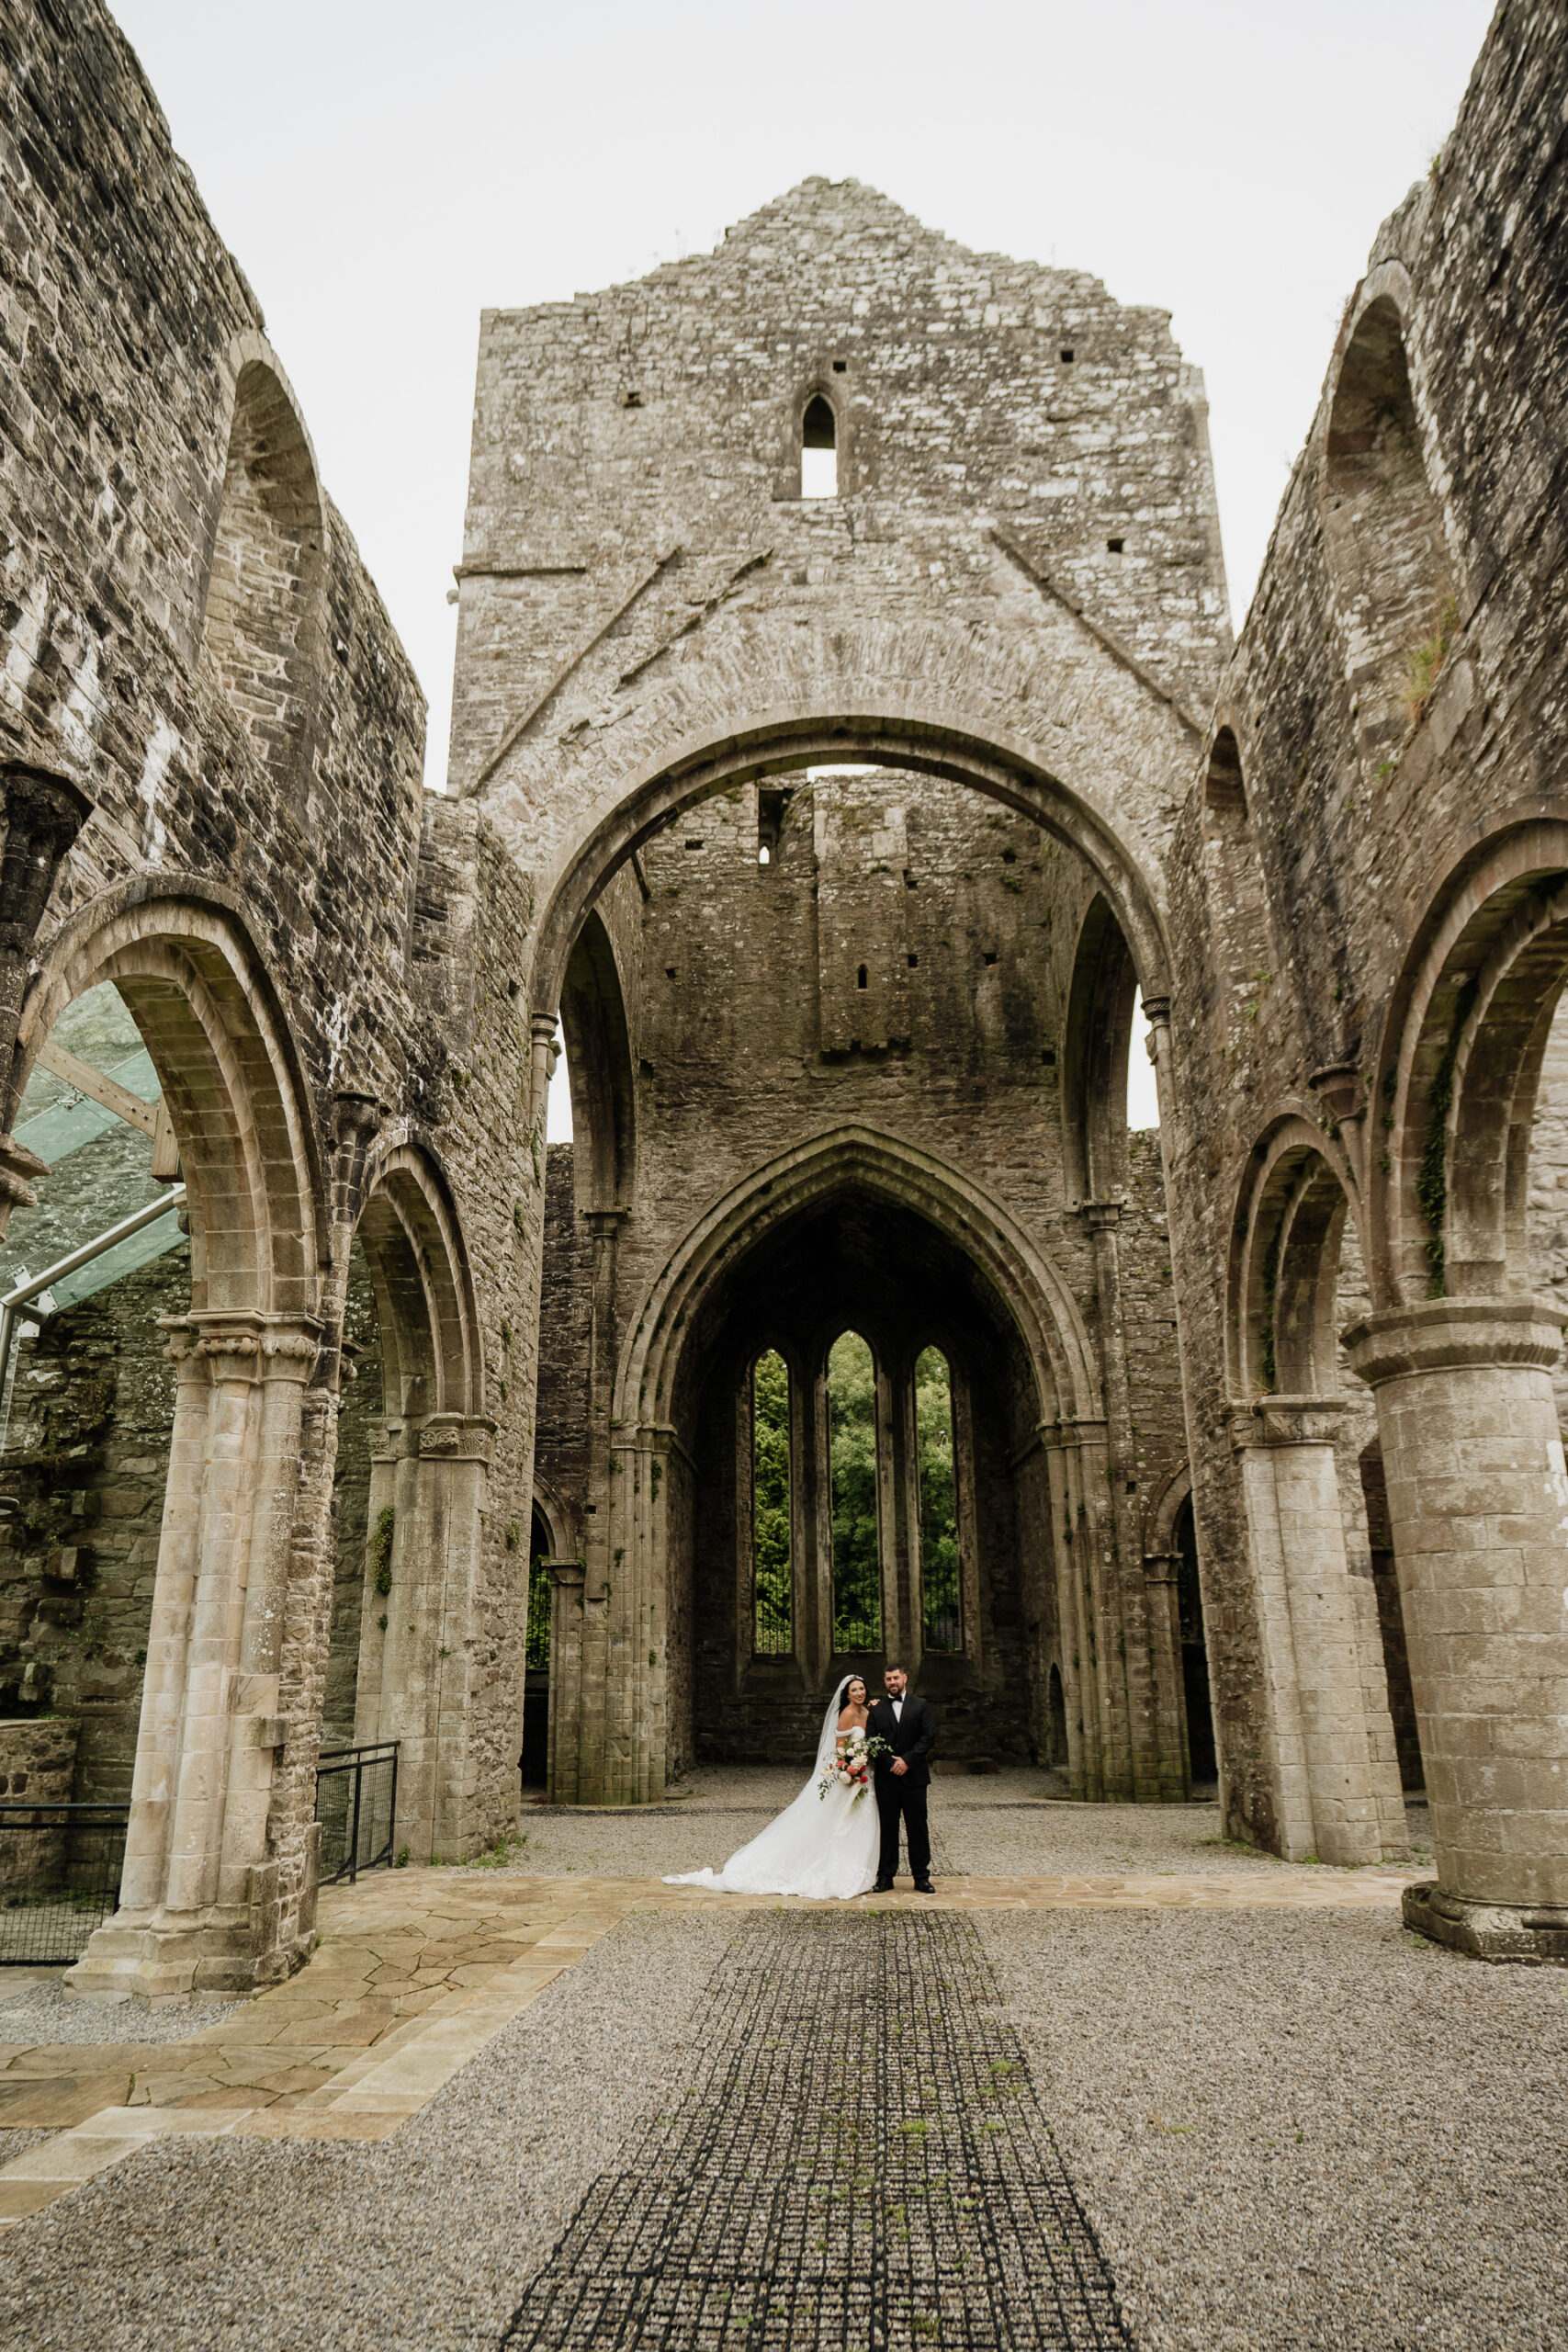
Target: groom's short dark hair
x,y
893,1667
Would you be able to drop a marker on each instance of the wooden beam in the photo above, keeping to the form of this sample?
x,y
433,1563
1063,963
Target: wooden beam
x,y
99,1089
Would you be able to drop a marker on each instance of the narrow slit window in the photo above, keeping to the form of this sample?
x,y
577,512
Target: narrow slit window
x,y
851,1447
819,451
772,1606
942,1583
861,978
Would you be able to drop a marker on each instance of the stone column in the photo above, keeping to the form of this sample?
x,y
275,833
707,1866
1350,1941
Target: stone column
x,y
1325,1793
1161,1572
1478,1501
1090,1546
605,1705
1153,1773
566,1679
425,1694
199,1910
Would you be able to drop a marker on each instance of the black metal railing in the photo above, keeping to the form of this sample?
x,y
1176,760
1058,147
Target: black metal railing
x,y
60,1867
356,1805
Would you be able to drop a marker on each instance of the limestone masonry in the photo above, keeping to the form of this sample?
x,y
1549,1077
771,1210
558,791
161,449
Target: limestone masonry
x,y
847,739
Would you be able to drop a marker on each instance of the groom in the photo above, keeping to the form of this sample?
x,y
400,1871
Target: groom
x,y
909,1726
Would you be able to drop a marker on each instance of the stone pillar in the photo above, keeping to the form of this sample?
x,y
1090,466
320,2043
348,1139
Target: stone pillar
x,y
1155,1766
422,1694
1325,1793
1478,1502
1089,1549
566,1679
199,1910
1161,1574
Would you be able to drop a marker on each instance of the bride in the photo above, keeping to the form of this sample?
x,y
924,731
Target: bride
x,y
819,1845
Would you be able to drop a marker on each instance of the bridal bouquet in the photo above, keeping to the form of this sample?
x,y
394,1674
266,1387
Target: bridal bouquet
x,y
852,1768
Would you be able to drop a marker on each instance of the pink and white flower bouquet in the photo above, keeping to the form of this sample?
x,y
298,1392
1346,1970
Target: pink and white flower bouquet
x,y
849,1768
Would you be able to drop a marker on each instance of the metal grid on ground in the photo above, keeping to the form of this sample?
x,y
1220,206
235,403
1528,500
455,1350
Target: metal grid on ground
x,y
860,2165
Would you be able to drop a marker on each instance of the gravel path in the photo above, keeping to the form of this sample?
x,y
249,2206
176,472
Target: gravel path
x,y
419,2244
993,1826
1303,2129
46,2014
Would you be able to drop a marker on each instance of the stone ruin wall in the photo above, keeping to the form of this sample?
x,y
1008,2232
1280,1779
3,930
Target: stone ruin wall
x,y
1290,923
286,786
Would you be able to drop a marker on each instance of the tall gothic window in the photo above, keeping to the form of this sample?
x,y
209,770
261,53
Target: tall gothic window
x,y
773,1614
941,1584
851,1440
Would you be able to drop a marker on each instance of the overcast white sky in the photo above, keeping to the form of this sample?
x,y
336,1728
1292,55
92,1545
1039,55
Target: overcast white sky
x,y
383,169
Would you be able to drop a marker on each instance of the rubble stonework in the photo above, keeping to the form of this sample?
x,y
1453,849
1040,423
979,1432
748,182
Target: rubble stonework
x,y
839,836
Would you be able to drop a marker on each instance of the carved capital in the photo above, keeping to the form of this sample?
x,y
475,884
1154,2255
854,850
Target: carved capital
x,y
457,1437
565,1574
242,1344
1287,1420
43,816
1448,1334
1067,1437
1340,1090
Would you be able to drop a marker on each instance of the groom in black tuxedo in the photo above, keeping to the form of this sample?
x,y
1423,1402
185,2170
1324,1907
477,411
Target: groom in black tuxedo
x,y
909,1726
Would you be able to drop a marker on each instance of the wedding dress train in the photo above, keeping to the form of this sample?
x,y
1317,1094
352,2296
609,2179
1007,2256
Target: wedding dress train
x,y
819,1845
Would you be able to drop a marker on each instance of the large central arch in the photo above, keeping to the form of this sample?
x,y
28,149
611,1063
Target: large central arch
x,y
783,740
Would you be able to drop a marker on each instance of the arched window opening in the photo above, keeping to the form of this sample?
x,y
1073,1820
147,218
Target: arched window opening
x,y
557,1103
1384,535
852,1452
534,1763
538,1596
941,1585
819,451
1194,1650
1143,1085
1223,787
260,623
861,978
772,1608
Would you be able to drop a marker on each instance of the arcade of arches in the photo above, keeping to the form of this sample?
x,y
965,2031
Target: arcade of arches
x,y
851,766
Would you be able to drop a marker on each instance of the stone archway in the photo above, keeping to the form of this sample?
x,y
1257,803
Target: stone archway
x,y
219,1876
419,1677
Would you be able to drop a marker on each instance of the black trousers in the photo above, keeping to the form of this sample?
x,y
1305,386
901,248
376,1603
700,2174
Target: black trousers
x,y
900,1798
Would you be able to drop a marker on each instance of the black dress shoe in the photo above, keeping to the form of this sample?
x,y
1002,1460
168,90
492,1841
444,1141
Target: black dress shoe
x,y
883,1886
924,1886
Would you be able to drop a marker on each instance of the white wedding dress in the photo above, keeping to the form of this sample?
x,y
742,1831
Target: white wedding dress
x,y
820,1845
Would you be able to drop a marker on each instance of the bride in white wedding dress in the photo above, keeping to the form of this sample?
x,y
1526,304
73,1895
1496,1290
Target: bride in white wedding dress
x,y
819,1845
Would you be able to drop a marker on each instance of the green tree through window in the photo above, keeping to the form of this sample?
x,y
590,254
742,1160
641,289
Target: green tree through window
x,y
851,1443
773,1619
941,1585
540,1596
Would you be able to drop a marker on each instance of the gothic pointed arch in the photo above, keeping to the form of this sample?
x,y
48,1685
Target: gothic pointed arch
x,y
885,1167
599,1066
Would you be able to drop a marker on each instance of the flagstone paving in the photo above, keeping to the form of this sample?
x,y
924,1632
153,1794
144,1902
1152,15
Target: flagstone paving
x,y
418,1970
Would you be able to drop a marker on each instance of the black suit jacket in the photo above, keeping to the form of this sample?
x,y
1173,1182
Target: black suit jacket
x,y
912,1737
